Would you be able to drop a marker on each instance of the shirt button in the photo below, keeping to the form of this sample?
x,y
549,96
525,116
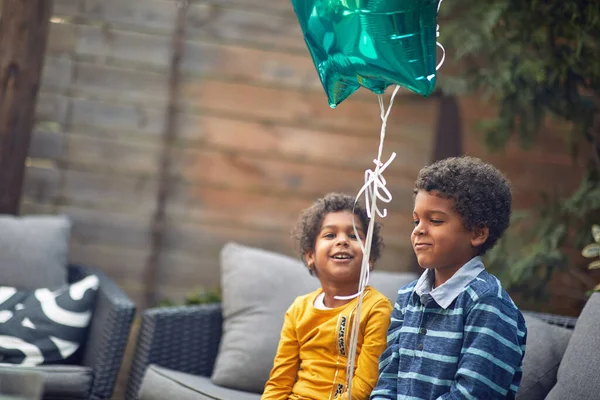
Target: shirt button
x,y
420,346
423,331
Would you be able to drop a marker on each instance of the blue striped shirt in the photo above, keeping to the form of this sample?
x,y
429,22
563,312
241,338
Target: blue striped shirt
x,y
462,340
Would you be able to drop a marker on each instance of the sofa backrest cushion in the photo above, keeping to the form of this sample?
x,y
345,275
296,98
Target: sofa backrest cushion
x,y
34,251
578,371
545,347
257,287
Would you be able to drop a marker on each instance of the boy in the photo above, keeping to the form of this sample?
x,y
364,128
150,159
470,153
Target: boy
x,y
313,350
455,333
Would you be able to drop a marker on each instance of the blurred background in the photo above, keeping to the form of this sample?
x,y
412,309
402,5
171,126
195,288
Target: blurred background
x,y
166,129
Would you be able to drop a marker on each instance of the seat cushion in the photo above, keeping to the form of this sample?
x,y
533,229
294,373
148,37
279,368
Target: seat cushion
x,y
65,382
258,286
34,251
577,377
20,382
545,347
162,383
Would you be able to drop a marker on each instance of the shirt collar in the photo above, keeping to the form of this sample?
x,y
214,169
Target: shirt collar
x,y
445,294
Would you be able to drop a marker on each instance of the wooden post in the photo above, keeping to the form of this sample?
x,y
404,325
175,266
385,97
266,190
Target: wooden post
x,y
23,35
448,133
165,187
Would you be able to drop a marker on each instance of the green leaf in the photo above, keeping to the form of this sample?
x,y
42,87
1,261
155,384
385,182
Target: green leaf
x,y
596,232
591,250
594,265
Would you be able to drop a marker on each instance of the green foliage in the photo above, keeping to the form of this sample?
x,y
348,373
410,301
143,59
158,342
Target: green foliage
x,y
537,60
195,297
538,242
592,250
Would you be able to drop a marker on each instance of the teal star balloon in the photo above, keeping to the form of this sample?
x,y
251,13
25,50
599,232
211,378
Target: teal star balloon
x,y
370,43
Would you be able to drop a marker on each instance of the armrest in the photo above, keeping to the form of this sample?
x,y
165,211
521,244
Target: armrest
x,y
552,319
184,339
108,334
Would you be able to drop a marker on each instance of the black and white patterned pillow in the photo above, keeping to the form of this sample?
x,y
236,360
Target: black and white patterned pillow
x,y
45,326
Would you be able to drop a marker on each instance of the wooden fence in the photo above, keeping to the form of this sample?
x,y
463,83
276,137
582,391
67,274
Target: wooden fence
x,y
254,143
255,140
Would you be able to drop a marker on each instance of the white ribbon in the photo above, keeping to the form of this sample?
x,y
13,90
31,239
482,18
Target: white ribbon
x,y
373,189
438,44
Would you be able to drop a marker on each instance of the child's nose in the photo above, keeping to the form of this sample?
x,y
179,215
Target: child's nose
x,y
419,229
342,240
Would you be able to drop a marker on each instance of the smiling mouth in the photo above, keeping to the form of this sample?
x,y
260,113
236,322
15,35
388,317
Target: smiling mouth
x,y
422,246
342,257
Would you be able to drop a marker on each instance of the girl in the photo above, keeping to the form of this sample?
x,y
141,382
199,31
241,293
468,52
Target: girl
x,y
313,349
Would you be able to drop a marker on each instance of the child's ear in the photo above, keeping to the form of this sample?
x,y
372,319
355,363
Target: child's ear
x,y
479,236
309,257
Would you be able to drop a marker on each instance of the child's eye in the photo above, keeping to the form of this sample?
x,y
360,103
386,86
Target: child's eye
x,y
352,236
436,221
328,235
416,222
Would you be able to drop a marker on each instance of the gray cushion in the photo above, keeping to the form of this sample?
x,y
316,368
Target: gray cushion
x,y
64,382
577,377
545,347
34,251
162,383
258,286
24,383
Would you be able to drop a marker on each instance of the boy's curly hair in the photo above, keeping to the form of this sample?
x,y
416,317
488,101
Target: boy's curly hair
x,y
481,193
309,223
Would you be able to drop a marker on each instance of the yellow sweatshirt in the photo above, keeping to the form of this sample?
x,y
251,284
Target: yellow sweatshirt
x,y
313,349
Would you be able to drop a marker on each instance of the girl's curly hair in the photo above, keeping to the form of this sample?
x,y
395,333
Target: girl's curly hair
x,y
309,223
481,193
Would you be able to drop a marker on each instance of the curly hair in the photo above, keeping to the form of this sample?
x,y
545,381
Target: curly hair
x,y
309,223
481,193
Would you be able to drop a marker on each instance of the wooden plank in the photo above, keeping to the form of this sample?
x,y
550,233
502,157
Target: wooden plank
x,y
192,252
550,149
142,112
154,15
411,142
270,6
126,84
299,108
134,157
57,73
119,263
48,141
67,7
133,195
108,44
200,58
244,25
32,208
62,38
276,176
114,118
198,168
52,107
231,207
102,227
248,64
41,185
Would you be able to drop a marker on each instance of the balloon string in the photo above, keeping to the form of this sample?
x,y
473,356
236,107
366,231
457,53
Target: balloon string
x,y
438,44
374,188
